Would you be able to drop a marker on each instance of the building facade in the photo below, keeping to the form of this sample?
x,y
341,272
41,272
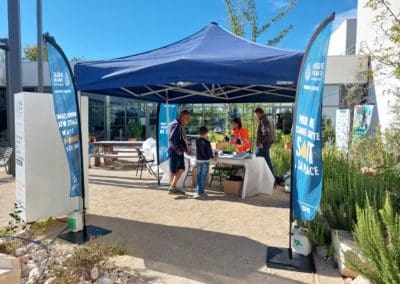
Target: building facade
x,y
371,38
112,118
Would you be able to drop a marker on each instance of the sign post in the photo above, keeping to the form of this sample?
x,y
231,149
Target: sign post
x,y
361,120
342,130
306,174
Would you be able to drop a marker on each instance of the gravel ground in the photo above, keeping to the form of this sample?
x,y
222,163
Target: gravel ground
x,y
218,240
7,196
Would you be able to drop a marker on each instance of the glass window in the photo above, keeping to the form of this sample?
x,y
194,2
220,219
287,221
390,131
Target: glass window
x,y
3,99
331,102
3,118
96,118
3,126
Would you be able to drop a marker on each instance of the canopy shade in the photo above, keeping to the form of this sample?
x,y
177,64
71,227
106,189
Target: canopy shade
x,y
210,66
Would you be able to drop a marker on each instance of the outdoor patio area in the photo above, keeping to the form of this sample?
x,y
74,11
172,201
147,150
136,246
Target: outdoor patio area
x,y
218,240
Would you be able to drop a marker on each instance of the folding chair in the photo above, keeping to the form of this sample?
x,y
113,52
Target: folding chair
x,y
189,172
144,162
219,171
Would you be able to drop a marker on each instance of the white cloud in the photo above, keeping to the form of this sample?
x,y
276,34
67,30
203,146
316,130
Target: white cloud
x,y
341,17
277,4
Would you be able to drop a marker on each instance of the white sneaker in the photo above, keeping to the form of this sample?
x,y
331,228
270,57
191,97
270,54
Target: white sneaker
x,y
197,196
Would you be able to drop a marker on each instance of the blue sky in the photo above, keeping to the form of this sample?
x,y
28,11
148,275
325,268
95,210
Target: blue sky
x,y
99,29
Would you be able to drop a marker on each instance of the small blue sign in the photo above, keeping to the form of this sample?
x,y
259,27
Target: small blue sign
x,y
307,139
65,107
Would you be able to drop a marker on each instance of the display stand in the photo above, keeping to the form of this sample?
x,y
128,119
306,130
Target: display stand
x,y
285,258
55,62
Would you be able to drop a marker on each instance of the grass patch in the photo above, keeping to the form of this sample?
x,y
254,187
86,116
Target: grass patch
x,y
82,259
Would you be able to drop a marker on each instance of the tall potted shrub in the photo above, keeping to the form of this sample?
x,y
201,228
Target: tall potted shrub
x,y
134,131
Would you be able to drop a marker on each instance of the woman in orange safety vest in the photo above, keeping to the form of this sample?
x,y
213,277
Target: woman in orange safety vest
x,y
239,136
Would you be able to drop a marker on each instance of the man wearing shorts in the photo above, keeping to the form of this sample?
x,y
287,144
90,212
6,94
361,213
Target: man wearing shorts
x,y
176,148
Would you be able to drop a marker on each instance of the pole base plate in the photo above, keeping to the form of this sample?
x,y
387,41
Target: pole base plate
x,y
279,258
89,232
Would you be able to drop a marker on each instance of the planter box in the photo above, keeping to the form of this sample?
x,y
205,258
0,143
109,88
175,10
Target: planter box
x,y
342,242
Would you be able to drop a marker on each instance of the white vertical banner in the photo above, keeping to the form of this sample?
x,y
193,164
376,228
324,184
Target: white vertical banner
x,y
342,129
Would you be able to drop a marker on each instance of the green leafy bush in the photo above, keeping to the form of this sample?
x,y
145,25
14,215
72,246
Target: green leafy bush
x,y
216,137
281,160
134,130
345,187
317,231
377,237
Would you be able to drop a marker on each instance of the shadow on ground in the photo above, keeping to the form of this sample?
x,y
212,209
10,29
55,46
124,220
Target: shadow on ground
x,y
280,200
126,184
196,254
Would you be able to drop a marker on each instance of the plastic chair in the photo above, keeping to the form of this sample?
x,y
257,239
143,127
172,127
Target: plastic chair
x,y
5,158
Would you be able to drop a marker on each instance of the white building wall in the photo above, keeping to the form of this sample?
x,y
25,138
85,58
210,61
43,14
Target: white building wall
x,y
370,36
343,39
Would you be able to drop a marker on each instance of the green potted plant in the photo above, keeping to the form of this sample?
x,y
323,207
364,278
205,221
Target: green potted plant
x,y
134,131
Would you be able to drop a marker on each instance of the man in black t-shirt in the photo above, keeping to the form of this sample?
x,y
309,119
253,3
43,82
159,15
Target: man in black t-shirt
x,y
176,148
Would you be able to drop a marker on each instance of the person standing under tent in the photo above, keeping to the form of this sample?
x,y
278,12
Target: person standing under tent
x,y
203,155
176,149
240,136
265,137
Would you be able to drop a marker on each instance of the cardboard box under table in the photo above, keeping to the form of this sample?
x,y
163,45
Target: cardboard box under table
x,y
233,186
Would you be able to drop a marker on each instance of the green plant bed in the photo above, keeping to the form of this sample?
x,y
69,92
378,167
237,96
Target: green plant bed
x,y
281,160
318,232
377,235
346,187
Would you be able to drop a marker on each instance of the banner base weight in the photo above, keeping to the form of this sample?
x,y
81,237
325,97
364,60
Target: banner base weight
x,y
88,232
279,258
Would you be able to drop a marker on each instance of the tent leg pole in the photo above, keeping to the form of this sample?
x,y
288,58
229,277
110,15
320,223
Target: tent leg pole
x,y
158,143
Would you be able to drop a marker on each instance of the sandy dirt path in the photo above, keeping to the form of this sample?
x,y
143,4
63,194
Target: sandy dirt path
x,y
219,240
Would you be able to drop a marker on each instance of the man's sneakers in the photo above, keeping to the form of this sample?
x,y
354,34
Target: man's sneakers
x,y
199,196
196,196
176,191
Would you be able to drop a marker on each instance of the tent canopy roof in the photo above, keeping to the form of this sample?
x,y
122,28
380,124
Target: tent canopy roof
x,y
212,65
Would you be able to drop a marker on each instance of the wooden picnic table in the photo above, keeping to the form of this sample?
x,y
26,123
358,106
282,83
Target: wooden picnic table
x,y
134,144
109,149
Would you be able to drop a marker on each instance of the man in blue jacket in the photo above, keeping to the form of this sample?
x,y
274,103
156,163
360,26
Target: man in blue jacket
x,y
176,148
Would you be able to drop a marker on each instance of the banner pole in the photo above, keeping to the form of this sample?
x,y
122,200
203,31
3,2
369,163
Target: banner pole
x,y
158,143
78,113
290,251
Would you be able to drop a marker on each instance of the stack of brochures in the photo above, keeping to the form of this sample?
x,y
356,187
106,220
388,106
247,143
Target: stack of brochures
x,y
241,156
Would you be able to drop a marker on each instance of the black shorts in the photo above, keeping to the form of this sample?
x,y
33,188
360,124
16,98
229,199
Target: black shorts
x,y
176,162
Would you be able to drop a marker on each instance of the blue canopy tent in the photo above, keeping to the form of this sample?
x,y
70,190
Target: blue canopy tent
x,y
210,66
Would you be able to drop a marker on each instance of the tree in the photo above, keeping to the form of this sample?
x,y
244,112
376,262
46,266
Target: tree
x,y
31,53
244,16
385,54
385,49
